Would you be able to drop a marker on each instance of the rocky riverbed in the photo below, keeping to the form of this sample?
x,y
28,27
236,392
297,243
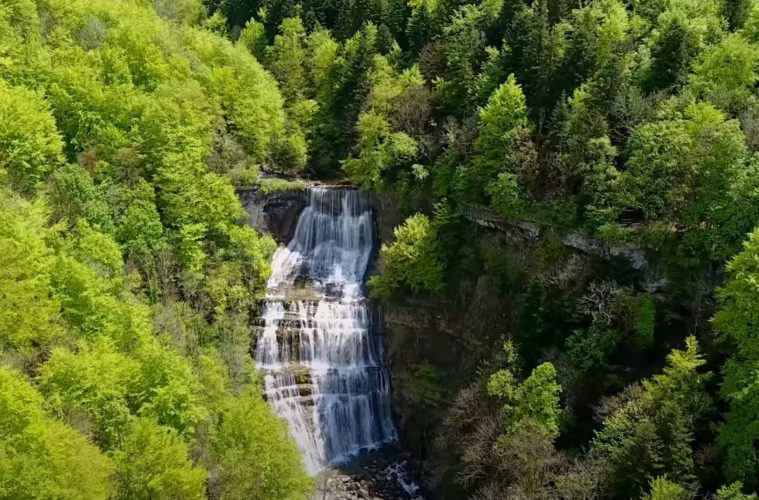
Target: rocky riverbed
x,y
375,476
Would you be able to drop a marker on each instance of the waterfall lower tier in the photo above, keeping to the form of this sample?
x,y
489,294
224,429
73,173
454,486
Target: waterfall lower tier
x,y
322,355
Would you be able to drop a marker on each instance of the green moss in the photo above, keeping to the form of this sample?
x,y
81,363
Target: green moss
x,y
278,185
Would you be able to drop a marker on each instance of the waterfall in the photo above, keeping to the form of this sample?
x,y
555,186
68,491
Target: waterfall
x,y
319,344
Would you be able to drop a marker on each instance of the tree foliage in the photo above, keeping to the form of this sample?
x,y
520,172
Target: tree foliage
x,y
125,260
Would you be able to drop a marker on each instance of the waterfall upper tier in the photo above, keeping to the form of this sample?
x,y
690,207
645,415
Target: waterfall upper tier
x,y
332,245
322,354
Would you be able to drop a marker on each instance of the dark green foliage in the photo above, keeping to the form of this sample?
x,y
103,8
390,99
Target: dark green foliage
x,y
734,322
649,430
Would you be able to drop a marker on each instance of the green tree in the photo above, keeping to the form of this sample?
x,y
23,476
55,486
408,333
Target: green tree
x,y
41,457
28,313
733,492
663,489
286,58
256,457
536,398
649,429
503,134
413,260
153,462
727,74
30,145
734,322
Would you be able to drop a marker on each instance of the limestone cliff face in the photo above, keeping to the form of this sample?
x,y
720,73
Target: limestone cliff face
x,y
276,213
435,346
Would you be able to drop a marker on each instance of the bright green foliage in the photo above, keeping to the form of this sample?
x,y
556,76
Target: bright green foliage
x,y
503,129
253,38
110,387
166,390
682,32
130,268
664,489
28,312
750,29
596,30
380,150
506,110
93,385
140,230
412,261
322,53
681,171
153,462
586,149
536,398
681,379
257,459
734,492
738,312
388,134
727,75
286,58
41,457
182,11
505,195
74,196
30,145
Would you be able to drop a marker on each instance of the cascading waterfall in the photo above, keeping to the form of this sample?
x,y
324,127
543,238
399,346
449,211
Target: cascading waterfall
x,y
319,345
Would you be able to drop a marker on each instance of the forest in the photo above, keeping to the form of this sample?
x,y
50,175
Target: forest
x,y
129,281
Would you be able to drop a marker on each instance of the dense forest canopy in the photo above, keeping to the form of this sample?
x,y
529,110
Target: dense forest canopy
x,y
128,281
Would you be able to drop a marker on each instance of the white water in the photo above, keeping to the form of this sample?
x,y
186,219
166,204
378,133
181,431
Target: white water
x,y
322,356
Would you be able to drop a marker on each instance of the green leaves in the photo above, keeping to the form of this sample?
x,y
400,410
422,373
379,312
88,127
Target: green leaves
x,y
502,152
736,322
536,398
379,151
258,460
153,462
30,145
649,430
127,280
413,261
41,457
28,311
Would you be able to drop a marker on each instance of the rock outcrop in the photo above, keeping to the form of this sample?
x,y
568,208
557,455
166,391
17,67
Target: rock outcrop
x,y
274,213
